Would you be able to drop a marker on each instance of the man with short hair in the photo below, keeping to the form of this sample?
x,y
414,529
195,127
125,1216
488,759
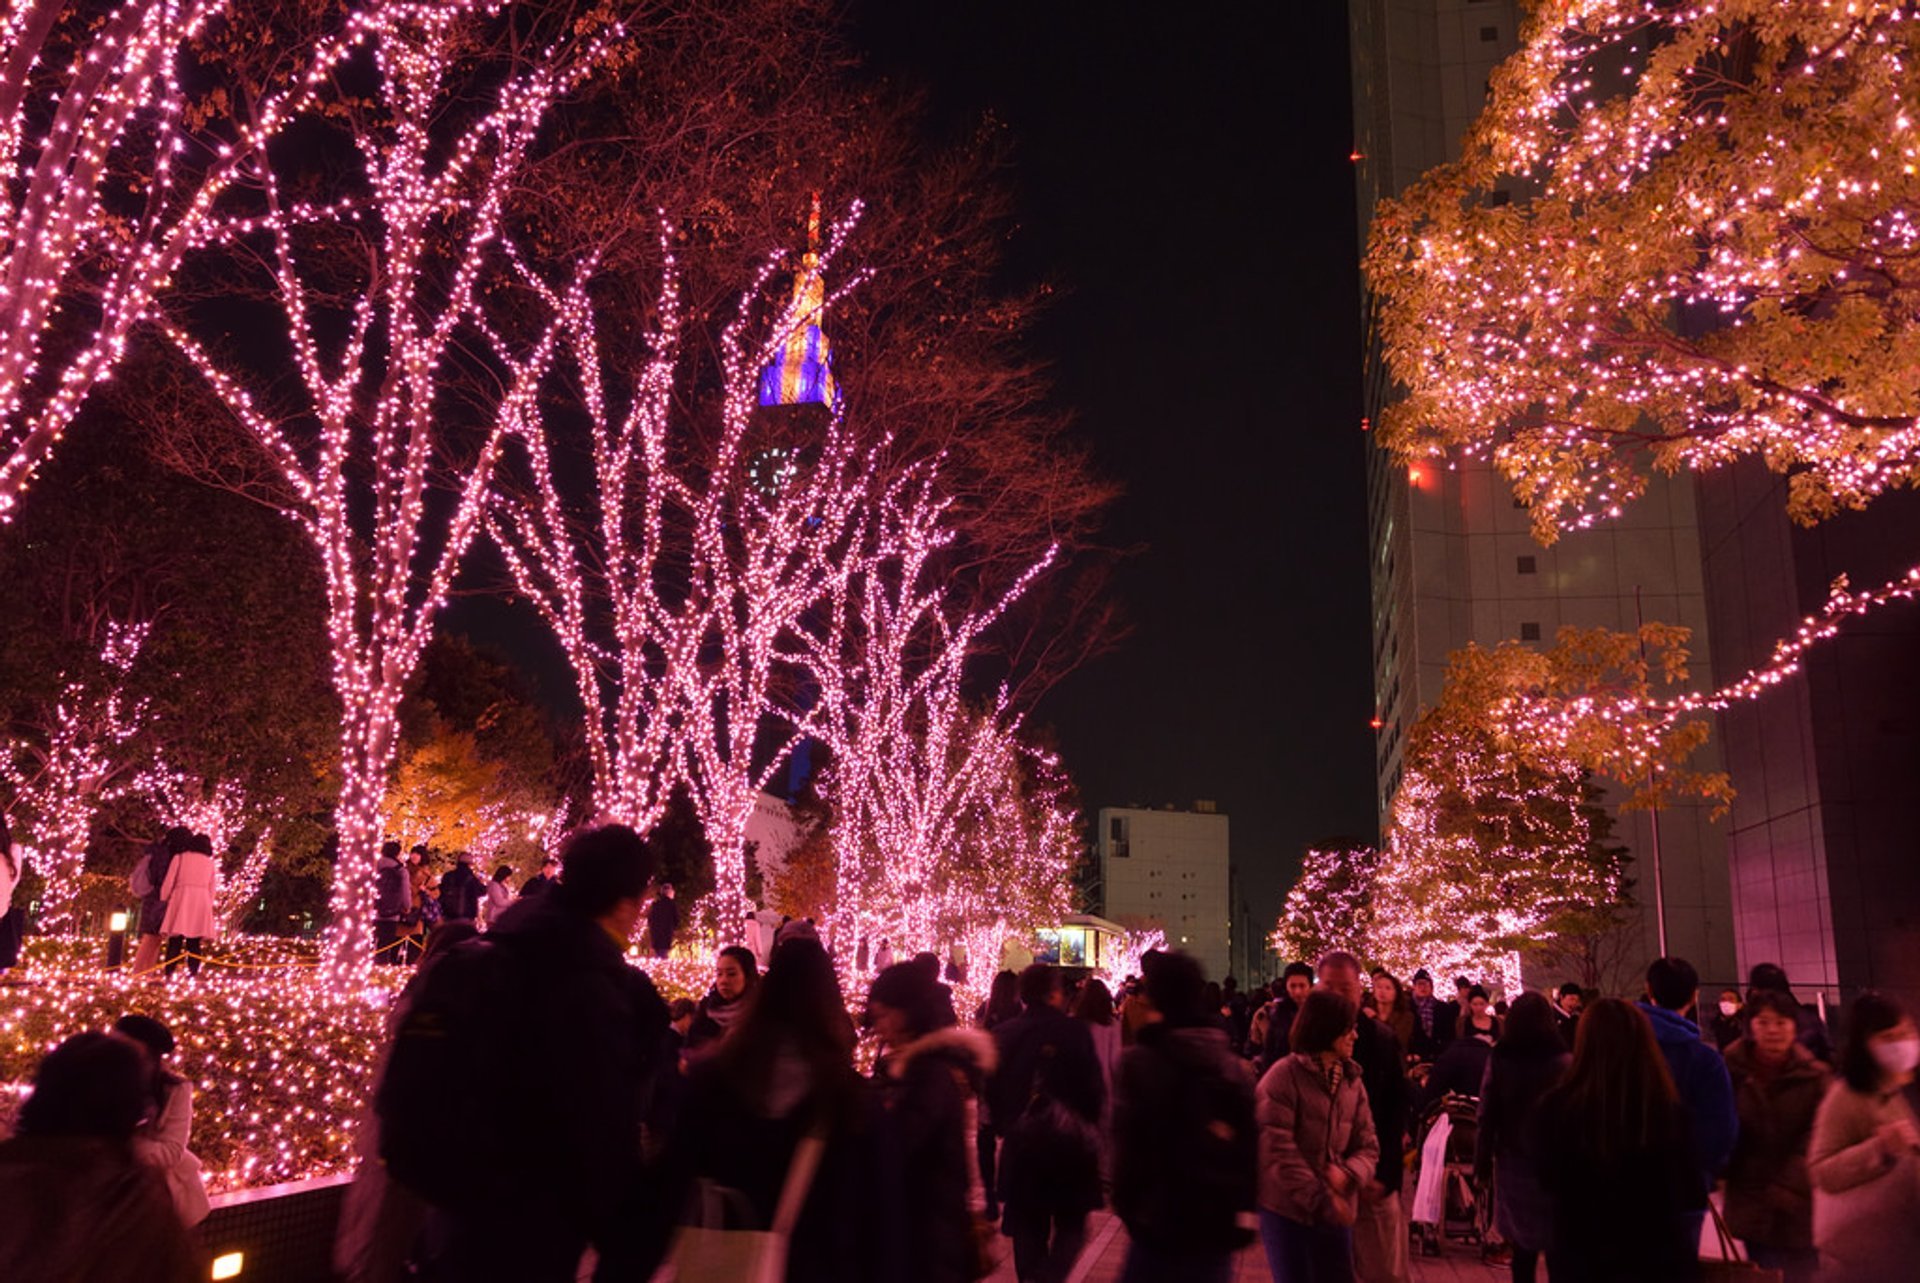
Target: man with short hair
x,y
543,881
1699,1070
1046,1098
591,1030
1434,1021
1566,1009
663,919
392,901
1380,1231
461,890
1298,982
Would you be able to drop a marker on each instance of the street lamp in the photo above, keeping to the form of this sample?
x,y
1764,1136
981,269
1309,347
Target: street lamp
x,y
116,939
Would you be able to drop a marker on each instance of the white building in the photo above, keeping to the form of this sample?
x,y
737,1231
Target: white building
x,y
1170,868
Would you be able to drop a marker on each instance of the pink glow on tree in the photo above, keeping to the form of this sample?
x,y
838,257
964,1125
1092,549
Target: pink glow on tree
x,y
375,359
59,782
1330,905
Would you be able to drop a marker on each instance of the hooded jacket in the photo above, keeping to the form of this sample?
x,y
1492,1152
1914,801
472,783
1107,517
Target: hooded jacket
x,y
926,1100
1185,1140
1700,1076
1305,1127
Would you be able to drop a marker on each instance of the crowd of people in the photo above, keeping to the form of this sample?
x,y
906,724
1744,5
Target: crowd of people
x,y
539,1103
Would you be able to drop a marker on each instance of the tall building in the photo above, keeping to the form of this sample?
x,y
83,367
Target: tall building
x,y
1452,557
1172,869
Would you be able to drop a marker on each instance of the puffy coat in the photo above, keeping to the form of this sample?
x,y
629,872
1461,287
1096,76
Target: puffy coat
x,y
1769,1197
926,1177
1306,1127
1866,1196
192,882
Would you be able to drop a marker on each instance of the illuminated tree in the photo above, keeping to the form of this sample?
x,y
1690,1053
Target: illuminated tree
x,y
60,774
112,173
1330,905
402,385
1709,253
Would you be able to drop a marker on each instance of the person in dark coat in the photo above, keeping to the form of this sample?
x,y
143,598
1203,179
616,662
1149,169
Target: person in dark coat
x,y
1528,1061
1185,1142
392,903
1566,1009
1380,1231
590,1030
735,972
153,908
1047,1098
1298,979
784,1074
1002,1005
1811,1030
663,919
1698,1071
80,1206
1777,1089
923,1217
1616,1160
461,890
543,881
1729,1020
1434,1020
1461,1069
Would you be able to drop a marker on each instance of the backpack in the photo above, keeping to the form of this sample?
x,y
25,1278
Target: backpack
x,y
454,1047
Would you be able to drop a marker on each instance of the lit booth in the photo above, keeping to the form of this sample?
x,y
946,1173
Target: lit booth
x,y
1081,943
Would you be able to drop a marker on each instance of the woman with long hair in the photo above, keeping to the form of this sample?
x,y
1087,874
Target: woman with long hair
x,y
785,1073
1393,1007
1524,1065
1865,1154
1002,1005
734,973
1615,1160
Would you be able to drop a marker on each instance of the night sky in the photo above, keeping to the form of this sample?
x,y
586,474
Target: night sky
x,y
1183,170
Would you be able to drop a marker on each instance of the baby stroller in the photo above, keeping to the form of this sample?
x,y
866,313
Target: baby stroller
x,y
1448,1201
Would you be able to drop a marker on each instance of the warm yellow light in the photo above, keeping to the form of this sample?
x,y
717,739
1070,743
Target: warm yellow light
x,y
229,1264
118,921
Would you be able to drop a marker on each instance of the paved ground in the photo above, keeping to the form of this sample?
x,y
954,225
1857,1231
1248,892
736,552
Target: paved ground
x,y
1106,1252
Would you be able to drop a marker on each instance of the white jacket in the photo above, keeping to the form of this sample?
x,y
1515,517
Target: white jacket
x,y
163,1144
192,882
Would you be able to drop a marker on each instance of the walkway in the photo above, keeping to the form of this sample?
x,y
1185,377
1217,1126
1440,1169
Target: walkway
x,y
1106,1253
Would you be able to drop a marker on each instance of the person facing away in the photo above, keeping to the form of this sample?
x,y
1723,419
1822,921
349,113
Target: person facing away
x,y
923,1219
192,882
158,858
1812,1031
1184,1136
162,1139
1297,982
392,902
1698,1071
1864,1157
784,1074
1317,1147
499,894
1526,1063
10,929
590,1029
461,890
1380,1230
81,1207
1777,1089
543,881
734,973
1048,1096
1615,1158
1434,1019
663,920
1002,1005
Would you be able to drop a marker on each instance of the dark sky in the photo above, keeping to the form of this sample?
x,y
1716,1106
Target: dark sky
x,y
1184,171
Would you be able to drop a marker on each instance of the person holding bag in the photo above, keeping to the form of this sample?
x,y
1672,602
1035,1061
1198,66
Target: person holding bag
x,y
1865,1154
1317,1146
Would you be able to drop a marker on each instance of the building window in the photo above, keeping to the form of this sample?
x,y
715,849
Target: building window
x,y
1529,632
1527,565
1489,34
1117,844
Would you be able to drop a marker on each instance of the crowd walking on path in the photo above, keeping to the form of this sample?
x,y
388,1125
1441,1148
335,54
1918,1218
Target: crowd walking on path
x,y
1339,1118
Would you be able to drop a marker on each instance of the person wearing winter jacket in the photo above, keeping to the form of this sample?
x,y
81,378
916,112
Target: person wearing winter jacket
x,y
1864,1157
461,891
193,880
735,972
80,1205
663,920
392,902
499,895
1777,1089
1699,1072
1810,1030
151,874
1317,1145
162,1140
1526,1063
1184,1136
1296,980
1380,1232
1047,1097
924,1185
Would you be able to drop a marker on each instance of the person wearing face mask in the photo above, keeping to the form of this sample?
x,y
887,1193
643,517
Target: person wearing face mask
x,y
1777,1087
1728,1021
1865,1154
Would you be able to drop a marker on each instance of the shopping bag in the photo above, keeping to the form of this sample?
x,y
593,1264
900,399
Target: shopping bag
x,y
1729,1267
1430,1195
712,1253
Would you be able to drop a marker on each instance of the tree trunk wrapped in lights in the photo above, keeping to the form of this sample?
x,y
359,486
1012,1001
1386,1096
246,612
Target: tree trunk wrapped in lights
x,y
406,385
696,553
113,173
